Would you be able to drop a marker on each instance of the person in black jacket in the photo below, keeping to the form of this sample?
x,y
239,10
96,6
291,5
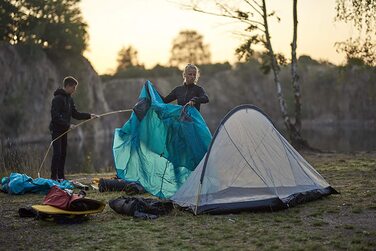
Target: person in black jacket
x,y
62,109
188,93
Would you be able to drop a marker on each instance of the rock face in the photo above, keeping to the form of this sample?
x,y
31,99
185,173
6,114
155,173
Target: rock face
x,y
331,95
28,78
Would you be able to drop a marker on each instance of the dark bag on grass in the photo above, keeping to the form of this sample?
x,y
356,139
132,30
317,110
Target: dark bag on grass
x,y
131,188
140,207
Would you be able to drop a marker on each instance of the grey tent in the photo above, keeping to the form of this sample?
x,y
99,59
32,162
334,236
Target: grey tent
x,y
250,166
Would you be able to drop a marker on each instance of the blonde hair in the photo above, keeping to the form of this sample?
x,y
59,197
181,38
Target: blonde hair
x,y
191,66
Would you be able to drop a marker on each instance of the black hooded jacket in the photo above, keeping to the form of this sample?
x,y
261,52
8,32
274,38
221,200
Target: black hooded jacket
x,y
186,93
62,109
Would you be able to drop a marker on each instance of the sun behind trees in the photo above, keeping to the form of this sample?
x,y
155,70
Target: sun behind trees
x,y
189,47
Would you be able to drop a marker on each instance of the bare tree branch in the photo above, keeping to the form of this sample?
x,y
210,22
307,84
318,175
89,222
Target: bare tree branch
x,y
248,21
260,6
253,7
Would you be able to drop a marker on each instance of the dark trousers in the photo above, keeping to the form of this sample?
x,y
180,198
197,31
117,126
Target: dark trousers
x,y
58,157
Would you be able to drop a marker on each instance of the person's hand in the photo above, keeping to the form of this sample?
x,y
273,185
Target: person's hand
x,y
191,103
72,126
93,116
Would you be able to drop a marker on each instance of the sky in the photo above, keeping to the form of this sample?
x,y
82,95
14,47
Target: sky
x,y
151,25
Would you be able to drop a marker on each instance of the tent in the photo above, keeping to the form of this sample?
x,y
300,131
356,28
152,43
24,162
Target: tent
x,y
250,166
161,144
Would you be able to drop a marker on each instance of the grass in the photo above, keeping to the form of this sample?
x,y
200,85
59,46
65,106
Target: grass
x,y
338,222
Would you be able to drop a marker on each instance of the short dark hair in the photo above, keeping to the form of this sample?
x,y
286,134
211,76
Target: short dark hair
x,y
70,81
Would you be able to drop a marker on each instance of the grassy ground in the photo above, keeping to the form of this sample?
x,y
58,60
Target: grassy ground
x,y
337,222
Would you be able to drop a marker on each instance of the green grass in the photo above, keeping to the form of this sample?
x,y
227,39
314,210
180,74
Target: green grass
x,y
338,222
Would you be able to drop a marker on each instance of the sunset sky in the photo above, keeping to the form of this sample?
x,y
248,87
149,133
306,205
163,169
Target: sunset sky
x,y
151,25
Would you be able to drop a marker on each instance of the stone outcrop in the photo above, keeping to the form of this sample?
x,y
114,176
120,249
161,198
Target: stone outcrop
x,y
28,78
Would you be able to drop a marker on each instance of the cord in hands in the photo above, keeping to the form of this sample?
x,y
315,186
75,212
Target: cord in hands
x,y
191,103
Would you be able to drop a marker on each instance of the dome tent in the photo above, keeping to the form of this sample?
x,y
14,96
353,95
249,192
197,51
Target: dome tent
x,y
249,166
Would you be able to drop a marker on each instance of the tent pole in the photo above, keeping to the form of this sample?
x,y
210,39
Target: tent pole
x,y
198,198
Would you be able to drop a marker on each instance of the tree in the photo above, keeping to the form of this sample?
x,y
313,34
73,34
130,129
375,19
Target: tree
x,y
188,47
127,58
361,13
54,25
254,14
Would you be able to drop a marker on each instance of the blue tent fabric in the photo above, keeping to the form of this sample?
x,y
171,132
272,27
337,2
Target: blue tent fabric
x,y
161,144
18,183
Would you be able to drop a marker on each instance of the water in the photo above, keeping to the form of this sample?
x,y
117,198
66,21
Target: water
x,y
89,156
342,139
83,156
95,155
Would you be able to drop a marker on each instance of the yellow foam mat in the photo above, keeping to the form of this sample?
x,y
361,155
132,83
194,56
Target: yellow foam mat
x,y
47,209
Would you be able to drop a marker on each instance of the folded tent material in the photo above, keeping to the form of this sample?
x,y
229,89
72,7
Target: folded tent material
x,y
160,145
18,183
250,166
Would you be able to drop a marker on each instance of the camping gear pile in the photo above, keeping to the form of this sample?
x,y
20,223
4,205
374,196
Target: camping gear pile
x,y
248,165
63,205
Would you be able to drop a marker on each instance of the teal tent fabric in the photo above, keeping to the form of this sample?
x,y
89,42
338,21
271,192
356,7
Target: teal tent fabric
x,y
18,183
160,145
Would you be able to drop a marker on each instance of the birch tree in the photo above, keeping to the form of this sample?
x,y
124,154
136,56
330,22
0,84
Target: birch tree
x,y
255,15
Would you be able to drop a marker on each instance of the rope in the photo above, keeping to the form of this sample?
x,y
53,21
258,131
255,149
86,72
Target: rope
x,y
83,122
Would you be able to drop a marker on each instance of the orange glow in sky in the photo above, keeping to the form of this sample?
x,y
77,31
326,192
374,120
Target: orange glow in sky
x,y
151,25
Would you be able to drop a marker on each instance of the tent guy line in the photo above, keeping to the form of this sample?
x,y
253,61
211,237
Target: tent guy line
x,y
75,126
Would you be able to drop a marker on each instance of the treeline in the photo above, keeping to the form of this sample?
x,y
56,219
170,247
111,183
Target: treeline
x,y
55,26
187,47
160,71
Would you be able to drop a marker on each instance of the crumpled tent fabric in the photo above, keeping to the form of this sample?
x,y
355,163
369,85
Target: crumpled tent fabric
x,y
18,183
160,145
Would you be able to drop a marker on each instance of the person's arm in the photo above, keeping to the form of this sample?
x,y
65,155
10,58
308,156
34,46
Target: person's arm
x,y
202,97
170,97
79,115
56,114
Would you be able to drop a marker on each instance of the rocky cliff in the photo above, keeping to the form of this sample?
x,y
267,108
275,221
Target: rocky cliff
x,y
28,78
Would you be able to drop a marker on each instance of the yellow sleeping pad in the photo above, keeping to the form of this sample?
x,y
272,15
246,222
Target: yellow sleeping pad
x,y
47,209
